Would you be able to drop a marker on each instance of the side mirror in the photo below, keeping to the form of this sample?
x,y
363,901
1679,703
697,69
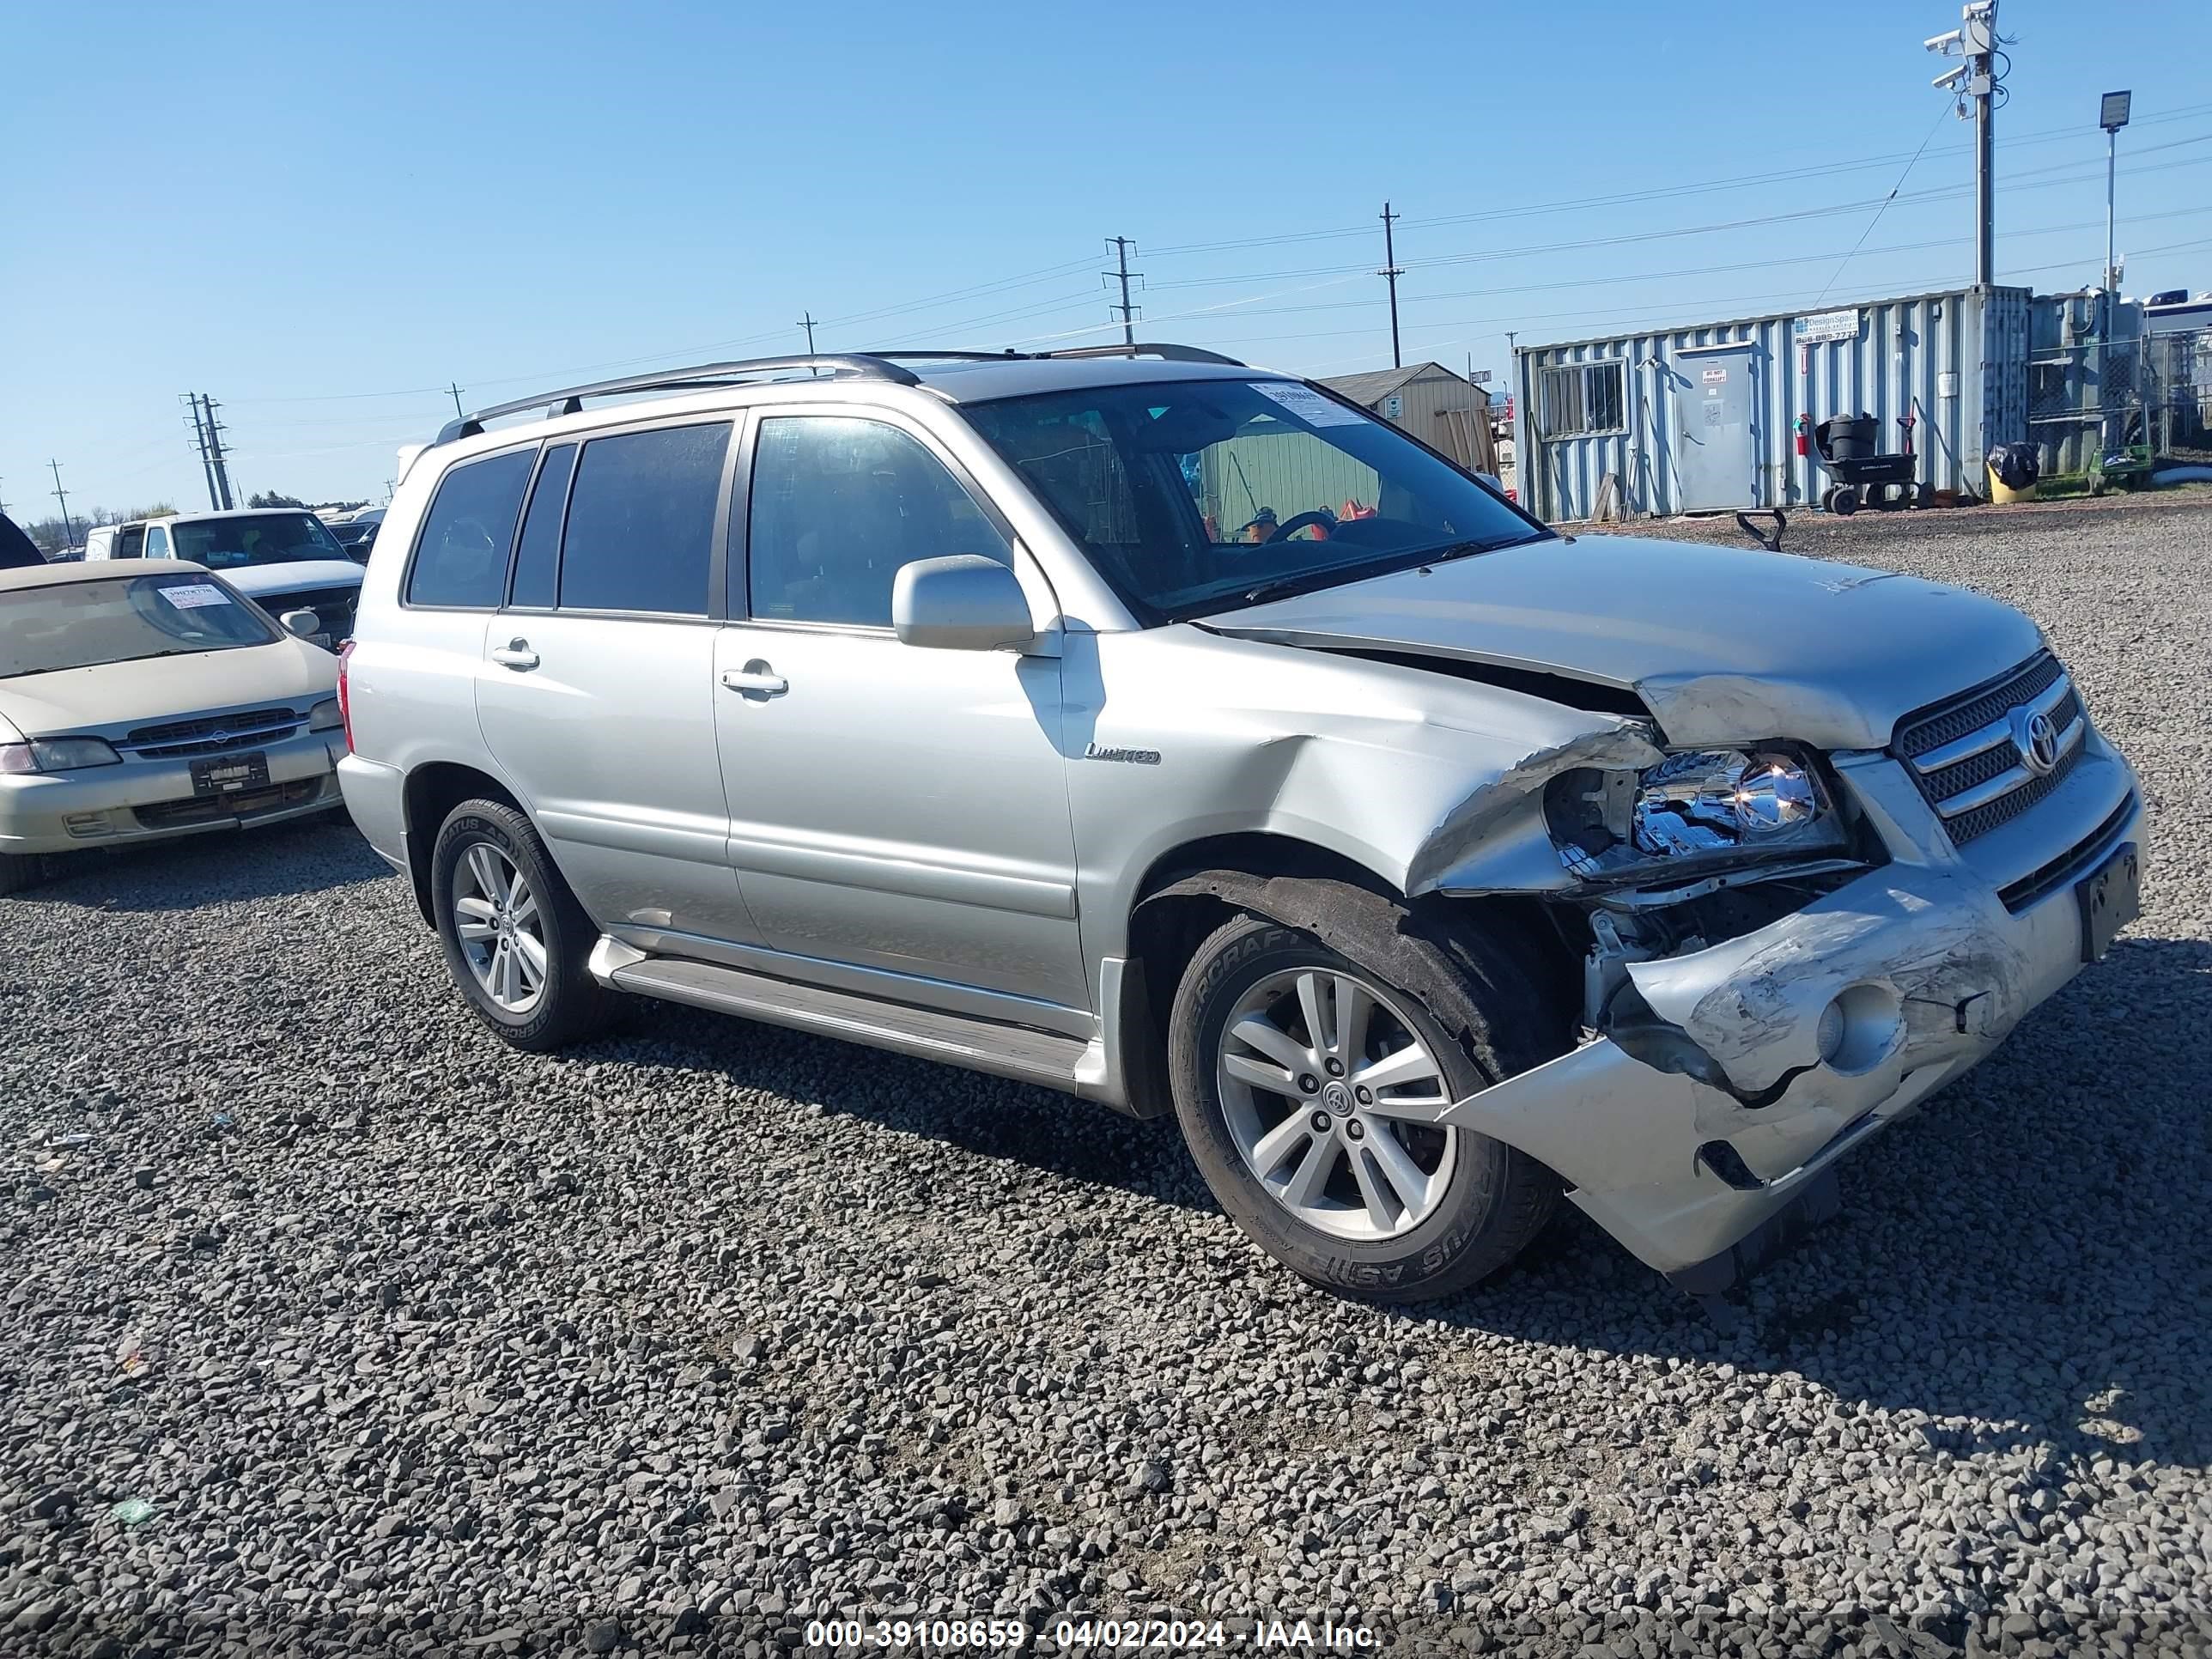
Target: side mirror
x,y
301,624
963,603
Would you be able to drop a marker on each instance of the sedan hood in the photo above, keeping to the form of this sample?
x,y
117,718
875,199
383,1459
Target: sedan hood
x,y
122,695
260,582
1721,644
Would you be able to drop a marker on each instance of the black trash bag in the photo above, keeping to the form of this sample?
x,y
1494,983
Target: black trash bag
x,y
2017,465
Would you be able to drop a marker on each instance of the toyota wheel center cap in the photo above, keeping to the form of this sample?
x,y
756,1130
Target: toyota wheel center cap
x,y
1338,1099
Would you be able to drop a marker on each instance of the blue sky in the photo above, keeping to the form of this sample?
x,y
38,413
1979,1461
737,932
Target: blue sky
x,y
323,215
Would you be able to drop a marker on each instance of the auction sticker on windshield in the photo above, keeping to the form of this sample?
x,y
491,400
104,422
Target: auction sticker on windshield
x,y
190,596
1305,403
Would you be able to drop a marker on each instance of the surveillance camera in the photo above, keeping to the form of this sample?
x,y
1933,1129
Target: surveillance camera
x,y
1949,78
1945,44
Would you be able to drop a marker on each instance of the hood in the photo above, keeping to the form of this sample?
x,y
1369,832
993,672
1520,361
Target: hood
x,y
257,581
122,695
1721,644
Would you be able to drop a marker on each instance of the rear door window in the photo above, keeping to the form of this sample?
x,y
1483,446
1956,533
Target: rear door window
x,y
157,541
461,559
641,527
538,551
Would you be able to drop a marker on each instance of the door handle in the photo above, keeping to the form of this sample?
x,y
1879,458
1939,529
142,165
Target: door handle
x,y
756,678
515,654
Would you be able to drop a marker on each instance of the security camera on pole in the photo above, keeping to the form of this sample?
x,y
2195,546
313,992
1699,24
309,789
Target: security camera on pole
x,y
1979,79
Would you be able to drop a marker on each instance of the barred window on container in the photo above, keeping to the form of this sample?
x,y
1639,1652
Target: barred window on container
x,y
1583,398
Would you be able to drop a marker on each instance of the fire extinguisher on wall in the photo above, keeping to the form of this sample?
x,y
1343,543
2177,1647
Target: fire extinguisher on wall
x,y
1804,427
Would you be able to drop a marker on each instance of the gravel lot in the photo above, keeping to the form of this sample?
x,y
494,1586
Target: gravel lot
x,y
408,1342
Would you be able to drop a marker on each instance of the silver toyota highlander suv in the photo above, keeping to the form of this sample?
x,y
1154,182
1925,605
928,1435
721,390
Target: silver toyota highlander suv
x,y
1177,734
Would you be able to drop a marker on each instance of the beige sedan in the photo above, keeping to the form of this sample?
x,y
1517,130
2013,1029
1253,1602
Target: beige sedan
x,y
140,702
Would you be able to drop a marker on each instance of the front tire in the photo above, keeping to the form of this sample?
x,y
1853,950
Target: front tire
x,y
1307,1082
515,940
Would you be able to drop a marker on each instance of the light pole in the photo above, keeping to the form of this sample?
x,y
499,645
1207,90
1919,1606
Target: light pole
x,y
2111,116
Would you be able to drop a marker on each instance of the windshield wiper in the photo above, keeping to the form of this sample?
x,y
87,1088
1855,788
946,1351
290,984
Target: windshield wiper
x,y
1466,549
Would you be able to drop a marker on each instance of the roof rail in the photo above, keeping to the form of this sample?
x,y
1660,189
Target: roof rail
x,y
868,365
1173,354
569,400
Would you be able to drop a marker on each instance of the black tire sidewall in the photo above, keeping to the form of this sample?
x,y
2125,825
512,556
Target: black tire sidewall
x,y
1444,1252
567,1007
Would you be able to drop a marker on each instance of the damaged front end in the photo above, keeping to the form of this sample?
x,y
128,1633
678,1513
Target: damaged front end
x,y
1772,972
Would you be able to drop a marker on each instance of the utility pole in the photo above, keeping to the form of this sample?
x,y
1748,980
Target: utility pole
x,y
806,322
1390,273
460,414
191,400
1978,79
213,434
69,524
1121,245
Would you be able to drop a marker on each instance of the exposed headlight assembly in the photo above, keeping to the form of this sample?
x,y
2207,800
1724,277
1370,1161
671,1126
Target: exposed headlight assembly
x,y
1695,808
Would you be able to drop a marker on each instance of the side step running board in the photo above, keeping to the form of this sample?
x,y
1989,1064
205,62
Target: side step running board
x,y
1047,1058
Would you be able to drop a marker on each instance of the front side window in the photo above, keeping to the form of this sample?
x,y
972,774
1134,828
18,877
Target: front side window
x,y
157,541
1194,497
461,559
121,619
251,538
838,505
640,528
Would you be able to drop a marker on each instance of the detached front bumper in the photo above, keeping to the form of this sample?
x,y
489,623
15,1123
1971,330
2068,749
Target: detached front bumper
x,y
141,800
1700,1131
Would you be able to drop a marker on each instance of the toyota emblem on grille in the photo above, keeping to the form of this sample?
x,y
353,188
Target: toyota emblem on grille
x,y
2036,737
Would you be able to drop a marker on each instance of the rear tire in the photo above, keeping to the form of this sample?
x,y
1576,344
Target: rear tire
x,y
515,940
1476,1202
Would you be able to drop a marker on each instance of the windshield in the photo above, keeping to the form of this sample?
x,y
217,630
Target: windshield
x,y
264,538
120,619
1194,497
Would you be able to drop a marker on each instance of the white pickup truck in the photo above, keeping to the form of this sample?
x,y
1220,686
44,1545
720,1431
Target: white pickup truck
x,y
284,559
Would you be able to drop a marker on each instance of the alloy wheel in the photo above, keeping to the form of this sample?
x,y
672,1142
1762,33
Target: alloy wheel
x,y
1332,1100
501,930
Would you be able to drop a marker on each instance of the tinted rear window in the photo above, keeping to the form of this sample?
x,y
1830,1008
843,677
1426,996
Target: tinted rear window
x,y
641,522
461,559
538,551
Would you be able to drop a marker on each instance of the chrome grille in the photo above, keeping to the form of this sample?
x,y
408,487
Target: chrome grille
x,y
1971,757
211,734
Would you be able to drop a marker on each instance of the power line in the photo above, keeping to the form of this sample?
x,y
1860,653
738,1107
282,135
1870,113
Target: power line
x,y
1657,193
1933,193
1884,208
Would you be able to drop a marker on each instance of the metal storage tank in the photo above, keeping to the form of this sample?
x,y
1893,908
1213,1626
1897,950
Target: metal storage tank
x,y
1704,418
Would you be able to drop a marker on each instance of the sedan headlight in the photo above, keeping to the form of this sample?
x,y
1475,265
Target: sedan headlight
x,y
326,716
1697,807
56,755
